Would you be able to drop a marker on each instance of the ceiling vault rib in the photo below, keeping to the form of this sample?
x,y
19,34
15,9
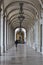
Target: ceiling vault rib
x,y
19,2
22,26
12,11
17,14
17,17
17,9
17,20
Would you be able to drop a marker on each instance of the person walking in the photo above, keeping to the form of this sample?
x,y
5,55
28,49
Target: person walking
x,y
16,42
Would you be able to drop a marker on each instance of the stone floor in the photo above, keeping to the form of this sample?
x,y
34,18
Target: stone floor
x,y
23,55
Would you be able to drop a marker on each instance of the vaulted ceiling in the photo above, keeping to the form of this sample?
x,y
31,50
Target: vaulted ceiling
x,y
31,9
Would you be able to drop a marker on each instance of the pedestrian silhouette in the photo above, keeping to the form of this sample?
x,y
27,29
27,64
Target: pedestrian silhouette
x,y
16,42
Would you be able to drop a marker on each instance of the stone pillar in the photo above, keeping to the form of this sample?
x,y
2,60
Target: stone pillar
x,y
41,43
36,35
0,30
0,33
42,38
4,34
38,49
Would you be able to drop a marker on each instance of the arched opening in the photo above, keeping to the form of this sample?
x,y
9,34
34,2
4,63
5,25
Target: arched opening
x,y
21,39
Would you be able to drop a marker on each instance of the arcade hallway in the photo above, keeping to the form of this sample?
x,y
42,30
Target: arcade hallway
x,y
24,55
21,21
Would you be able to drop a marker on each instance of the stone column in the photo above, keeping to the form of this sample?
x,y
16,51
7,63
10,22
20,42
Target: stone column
x,y
0,30
42,37
41,33
4,34
36,35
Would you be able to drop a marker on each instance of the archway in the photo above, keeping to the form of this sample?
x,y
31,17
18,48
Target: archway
x,y
23,35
